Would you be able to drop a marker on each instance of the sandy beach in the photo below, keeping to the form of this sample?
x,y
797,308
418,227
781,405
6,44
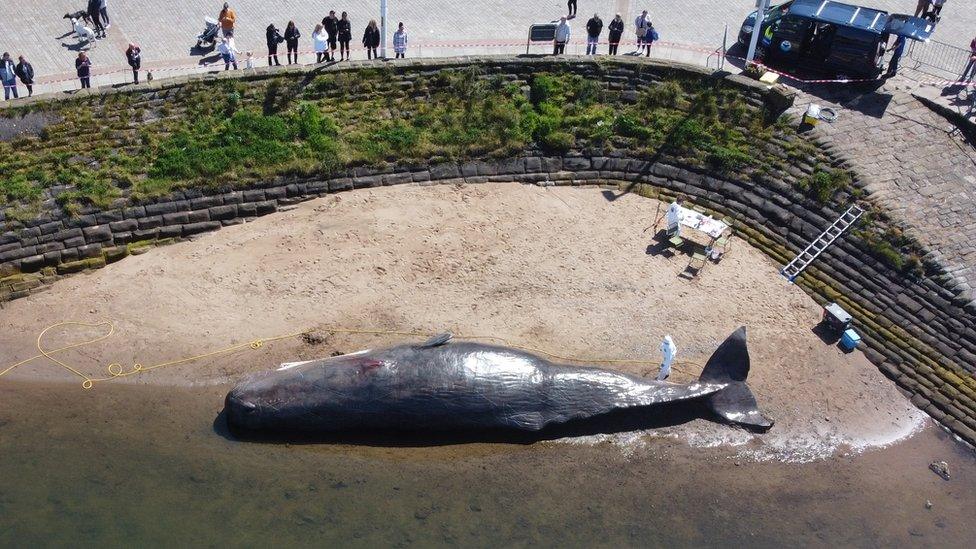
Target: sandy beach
x,y
567,270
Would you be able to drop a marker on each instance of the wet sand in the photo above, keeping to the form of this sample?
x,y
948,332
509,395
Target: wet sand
x,y
572,270
143,465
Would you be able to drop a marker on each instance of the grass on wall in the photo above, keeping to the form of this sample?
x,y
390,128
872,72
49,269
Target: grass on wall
x,y
235,133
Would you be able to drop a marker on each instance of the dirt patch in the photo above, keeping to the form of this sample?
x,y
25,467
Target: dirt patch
x,y
32,123
561,269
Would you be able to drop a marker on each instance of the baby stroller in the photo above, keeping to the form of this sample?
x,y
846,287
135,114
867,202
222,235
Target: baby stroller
x,y
208,38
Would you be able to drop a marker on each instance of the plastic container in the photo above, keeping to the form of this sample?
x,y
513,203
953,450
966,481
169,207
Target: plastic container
x,y
850,340
812,116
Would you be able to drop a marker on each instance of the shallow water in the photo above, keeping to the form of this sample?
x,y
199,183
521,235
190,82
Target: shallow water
x,y
129,464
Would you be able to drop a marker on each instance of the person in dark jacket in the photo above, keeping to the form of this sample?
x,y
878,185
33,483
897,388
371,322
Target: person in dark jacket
x,y
371,39
331,26
134,56
25,71
616,31
345,36
291,40
571,5
593,29
274,38
83,67
93,13
8,76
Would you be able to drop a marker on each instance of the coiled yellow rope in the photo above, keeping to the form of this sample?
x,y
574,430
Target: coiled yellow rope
x,y
116,370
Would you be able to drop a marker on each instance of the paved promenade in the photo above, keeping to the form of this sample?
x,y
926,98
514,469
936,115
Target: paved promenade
x,y
167,30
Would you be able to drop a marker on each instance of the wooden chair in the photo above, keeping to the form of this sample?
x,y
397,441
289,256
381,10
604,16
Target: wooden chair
x,y
676,242
697,263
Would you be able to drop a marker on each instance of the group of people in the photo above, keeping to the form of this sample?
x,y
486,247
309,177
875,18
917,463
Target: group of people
x,y
10,72
643,28
98,13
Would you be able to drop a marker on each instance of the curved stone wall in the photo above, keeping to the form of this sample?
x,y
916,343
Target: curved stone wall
x,y
919,330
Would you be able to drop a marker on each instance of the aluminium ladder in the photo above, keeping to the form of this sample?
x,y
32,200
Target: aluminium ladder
x,y
819,244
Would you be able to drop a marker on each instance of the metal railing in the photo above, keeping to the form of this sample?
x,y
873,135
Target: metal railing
x,y
938,58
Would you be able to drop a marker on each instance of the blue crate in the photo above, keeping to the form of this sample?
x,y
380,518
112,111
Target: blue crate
x,y
850,340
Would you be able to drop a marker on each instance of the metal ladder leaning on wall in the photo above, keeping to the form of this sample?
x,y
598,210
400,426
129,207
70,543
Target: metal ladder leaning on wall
x,y
819,244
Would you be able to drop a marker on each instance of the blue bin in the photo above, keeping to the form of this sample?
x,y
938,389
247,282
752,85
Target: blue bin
x,y
850,340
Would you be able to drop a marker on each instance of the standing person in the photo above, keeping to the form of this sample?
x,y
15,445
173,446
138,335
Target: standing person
x,y
274,38
93,14
371,39
593,29
668,350
968,74
571,4
331,26
345,36
103,12
650,37
291,40
134,56
616,31
228,52
641,24
25,71
8,76
897,50
227,20
320,43
562,36
83,68
400,42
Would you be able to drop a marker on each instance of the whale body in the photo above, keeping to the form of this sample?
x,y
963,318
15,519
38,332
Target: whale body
x,y
444,385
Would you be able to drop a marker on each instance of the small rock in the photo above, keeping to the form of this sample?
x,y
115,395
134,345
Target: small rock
x,y
928,504
940,468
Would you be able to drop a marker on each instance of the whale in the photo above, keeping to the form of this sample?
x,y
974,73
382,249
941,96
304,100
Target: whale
x,y
447,385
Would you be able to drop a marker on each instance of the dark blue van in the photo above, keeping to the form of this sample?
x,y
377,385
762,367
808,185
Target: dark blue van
x,y
832,36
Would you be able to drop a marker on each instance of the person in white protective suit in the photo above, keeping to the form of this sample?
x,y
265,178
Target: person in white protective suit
x,y
668,349
674,218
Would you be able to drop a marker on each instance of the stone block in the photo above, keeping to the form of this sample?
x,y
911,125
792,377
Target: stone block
x,y
201,227
124,225
205,202
135,212
163,208
51,227
341,184
446,170
254,195
97,233
296,189
576,163
219,213
275,193
176,218
107,216
89,251
151,222
198,216
264,208
367,181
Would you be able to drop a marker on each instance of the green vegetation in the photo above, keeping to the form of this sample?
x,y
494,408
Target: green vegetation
x,y
235,133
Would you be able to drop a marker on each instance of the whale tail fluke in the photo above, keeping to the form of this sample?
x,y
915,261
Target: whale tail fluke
x,y
730,364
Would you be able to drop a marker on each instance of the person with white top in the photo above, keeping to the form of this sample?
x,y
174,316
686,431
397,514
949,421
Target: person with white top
x,y
668,350
563,32
400,42
320,43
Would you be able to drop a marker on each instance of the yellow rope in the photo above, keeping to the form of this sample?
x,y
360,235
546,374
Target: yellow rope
x,y
115,369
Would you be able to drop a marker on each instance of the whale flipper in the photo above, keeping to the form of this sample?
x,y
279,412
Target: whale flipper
x,y
736,403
